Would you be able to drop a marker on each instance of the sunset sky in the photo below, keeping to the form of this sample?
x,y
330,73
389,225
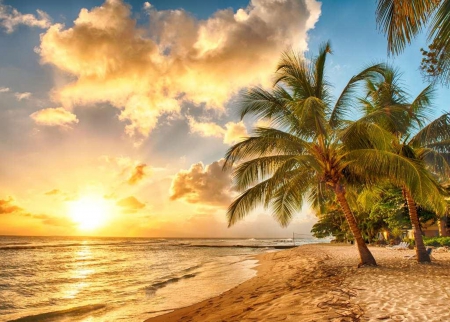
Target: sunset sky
x,y
122,110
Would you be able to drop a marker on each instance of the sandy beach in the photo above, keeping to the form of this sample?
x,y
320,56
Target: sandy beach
x,y
322,283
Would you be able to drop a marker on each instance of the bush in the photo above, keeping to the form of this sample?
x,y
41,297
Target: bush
x,y
436,241
410,241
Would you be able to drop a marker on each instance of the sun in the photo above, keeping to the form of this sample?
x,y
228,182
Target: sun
x,y
89,212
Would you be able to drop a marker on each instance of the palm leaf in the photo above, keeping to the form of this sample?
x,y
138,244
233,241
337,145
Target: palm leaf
x,y
402,20
344,102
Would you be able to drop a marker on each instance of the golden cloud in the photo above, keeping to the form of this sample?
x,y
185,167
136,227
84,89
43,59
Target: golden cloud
x,y
130,204
203,184
54,117
232,133
205,128
53,192
235,132
138,174
7,206
148,73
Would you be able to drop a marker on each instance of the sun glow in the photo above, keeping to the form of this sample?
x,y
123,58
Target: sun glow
x,y
89,212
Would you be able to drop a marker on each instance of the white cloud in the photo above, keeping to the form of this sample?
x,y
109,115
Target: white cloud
x,y
182,59
22,96
232,133
4,89
54,117
10,18
147,6
205,129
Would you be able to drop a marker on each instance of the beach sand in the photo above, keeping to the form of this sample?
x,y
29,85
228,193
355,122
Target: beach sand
x,y
322,283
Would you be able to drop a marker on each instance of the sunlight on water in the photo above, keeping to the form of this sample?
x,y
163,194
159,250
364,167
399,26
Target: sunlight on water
x,y
108,279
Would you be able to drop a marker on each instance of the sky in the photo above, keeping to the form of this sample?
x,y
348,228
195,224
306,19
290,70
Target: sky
x,y
115,115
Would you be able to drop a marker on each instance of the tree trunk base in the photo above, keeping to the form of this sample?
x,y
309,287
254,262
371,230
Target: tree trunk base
x,y
422,258
366,256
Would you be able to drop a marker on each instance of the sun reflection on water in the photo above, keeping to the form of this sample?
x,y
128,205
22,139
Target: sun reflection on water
x,y
79,271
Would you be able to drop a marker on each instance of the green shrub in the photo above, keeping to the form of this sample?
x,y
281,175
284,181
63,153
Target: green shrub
x,y
410,241
436,241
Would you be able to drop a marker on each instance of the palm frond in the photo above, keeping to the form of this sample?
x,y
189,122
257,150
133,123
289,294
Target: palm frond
x,y
440,27
319,69
437,162
402,20
273,105
311,116
420,108
257,146
362,135
293,71
435,131
344,102
249,173
248,201
399,170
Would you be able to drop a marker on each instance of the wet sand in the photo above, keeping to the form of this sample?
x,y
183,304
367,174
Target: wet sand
x,y
322,283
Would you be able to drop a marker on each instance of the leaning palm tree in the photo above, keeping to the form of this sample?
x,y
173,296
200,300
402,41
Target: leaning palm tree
x,y
305,153
387,105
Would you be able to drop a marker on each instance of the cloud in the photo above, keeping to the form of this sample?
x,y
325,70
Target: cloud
x,y
235,132
7,206
138,174
10,18
51,220
22,96
54,117
130,204
147,6
4,89
150,72
206,129
203,184
53,192
232,133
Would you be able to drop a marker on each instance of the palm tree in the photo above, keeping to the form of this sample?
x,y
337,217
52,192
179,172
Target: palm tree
x,y
305,154
402,20
387,105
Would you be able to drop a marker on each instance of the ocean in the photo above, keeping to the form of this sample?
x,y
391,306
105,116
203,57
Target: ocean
x,y
119,279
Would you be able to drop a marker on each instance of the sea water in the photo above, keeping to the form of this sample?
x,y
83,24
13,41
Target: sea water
x,y
118,279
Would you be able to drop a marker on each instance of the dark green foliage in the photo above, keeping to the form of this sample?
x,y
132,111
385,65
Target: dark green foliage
x,y
436,241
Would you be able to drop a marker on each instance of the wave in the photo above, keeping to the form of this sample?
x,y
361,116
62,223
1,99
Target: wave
x,y
57,315
151,289
190,269
37,246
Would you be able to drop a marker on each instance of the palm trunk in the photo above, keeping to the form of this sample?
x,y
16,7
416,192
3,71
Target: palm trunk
x,y
364,252
421,252
442,224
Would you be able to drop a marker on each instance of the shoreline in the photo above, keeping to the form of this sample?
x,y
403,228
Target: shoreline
x,y
321,282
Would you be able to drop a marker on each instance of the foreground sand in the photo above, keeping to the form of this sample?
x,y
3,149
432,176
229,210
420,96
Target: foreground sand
x,y
322,283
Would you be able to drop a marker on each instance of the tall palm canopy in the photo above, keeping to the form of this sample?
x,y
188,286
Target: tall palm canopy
x,y
387,105
402,20
310,150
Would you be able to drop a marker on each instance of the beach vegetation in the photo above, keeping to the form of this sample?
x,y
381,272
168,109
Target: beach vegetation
x,y
425,143
437,241
312,149
314,152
